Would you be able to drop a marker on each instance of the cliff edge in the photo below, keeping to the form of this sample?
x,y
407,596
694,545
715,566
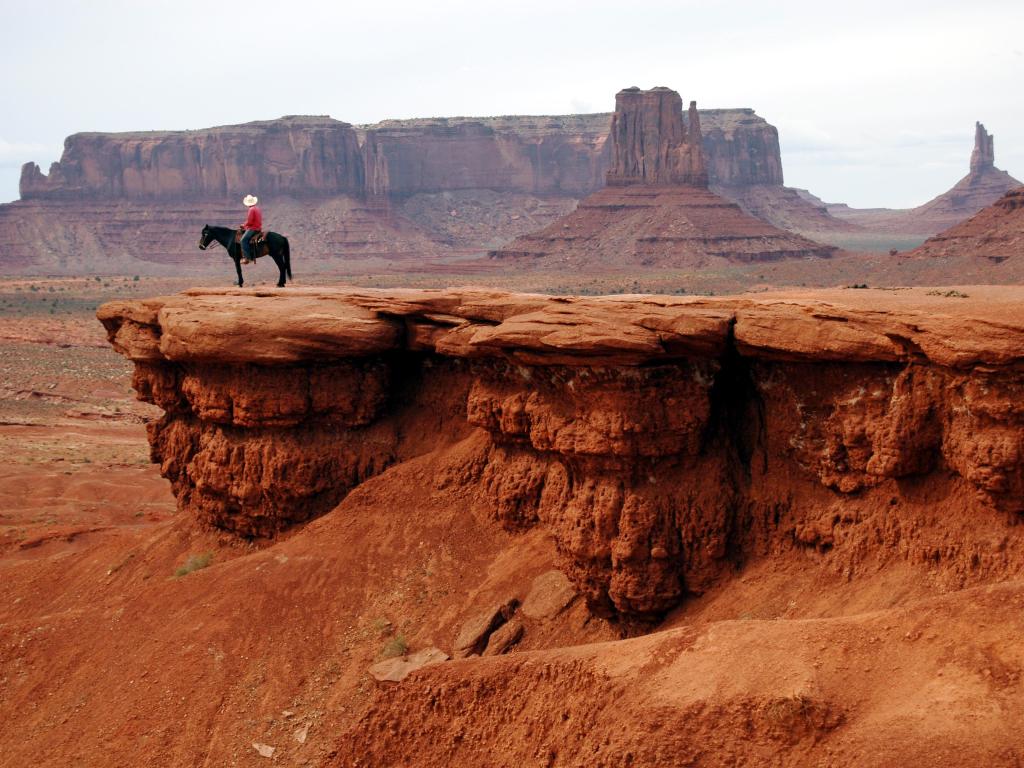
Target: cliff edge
x,y
659,440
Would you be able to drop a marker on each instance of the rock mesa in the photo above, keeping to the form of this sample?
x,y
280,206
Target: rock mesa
x,y
659,440
385,189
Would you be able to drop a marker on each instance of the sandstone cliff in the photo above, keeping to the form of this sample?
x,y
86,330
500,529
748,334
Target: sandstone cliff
x,y
656,209
295,156
650,144
740,148
660,441
983,157
301,156
436,187
559,155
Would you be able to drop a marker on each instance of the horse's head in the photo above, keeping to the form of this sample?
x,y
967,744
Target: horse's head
x,y
205,238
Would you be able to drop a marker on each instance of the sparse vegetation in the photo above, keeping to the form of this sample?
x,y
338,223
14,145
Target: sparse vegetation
x,y
790,711
952,294
396,646
194,563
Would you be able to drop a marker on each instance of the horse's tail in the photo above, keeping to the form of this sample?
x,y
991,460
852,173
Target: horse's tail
x,y
287,257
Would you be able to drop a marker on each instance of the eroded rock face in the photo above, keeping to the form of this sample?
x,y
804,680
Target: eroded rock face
x,y
983,156
740,148
561,155
406,188
658,439
296,156
658,226
656,209
651,144
252,449
303,156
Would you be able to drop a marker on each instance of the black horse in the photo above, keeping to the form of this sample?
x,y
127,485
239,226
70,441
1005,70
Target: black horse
x,y
274,245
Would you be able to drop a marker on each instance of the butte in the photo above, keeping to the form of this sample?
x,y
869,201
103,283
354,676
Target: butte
x,y
656,209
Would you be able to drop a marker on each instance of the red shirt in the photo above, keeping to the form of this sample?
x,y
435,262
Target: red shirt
x,y
255,219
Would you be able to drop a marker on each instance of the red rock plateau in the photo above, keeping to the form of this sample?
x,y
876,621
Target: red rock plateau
x,y
981,187
401,189
656,209
793,521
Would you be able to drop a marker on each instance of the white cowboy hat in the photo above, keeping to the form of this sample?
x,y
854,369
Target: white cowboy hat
x,y
250,200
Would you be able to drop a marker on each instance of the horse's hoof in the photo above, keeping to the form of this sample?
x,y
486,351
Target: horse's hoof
x,y
280,285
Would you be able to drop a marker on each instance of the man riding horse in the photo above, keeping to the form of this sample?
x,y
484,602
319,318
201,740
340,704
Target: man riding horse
x,y
253,224
245,248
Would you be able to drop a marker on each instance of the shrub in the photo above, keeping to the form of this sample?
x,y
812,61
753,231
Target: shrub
x,y
396,646
194,563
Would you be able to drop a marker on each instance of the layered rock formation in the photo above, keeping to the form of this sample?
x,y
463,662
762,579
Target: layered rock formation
x,y
981,187
650,143
439,187
983,156
558,155
659,440
656,209
318,156
657,226
293,156
995,233
740,149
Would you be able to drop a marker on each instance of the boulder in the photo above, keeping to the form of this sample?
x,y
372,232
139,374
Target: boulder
x,y
397,669
551,593
504,637
472,638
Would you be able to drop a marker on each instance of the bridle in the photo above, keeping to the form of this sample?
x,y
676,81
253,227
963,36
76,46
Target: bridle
x,y
207,237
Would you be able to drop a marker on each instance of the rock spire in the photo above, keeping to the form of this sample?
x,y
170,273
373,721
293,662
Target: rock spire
x,y
651,144
984,155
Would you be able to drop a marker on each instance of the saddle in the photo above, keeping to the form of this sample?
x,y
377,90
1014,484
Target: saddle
x,y
257,239
258,243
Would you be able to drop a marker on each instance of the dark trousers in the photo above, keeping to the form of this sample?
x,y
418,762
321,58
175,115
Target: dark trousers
x,y
246,249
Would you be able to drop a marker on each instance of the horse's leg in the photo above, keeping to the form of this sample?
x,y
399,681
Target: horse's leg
x,y
280,267
238,269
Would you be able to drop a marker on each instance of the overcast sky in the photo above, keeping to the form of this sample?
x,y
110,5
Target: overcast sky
x,y
875,102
